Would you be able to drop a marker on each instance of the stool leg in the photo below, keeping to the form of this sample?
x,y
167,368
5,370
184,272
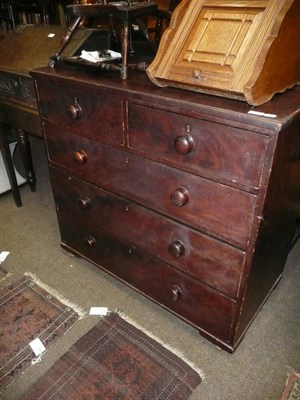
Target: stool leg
x,y
125,46
146,33
25,151
8,162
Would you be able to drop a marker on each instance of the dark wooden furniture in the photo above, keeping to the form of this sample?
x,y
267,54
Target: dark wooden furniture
x,y
8,163
25,48
7,18
126,13
185,197
46,12
163,17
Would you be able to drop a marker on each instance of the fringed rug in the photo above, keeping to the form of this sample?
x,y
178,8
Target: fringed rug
x,y
3,272
292,387
116,361
29,310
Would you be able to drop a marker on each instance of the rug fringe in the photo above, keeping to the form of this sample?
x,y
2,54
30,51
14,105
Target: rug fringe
x,y
168,347
79,310
7,275
291,371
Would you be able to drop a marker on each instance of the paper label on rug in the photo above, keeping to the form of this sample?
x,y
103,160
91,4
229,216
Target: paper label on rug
x,y
102,311
37,346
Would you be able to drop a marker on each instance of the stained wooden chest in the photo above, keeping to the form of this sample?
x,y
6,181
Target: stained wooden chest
x,y
185,197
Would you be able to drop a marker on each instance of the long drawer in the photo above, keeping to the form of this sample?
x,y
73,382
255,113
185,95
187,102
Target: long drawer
x,y
209,149
93,116
195,302
216,209
203,258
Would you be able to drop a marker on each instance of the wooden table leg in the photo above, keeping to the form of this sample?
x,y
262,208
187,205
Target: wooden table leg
x,y
25,150
146,33
125,46
65,40
9,166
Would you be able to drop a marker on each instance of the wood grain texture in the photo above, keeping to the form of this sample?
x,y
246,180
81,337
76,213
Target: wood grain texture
x,y
205,229
231,49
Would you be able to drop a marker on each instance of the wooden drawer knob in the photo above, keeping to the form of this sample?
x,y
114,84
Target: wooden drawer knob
x,y
90,241
176,293
176,248
75,110
80,156
184,144
180,197
196,74
84,202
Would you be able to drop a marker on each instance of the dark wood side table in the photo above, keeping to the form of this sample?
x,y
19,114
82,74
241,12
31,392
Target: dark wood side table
x,y
8,162
26,48
21,117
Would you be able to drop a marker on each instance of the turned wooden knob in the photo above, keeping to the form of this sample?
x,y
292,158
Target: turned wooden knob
x,y
80,156
184,144
74,110
84,202
90,241
176,248
180,197
196,74
176,293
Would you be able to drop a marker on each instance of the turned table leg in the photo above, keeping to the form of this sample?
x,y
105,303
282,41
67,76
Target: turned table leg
x,y
125,46
9,166
25,150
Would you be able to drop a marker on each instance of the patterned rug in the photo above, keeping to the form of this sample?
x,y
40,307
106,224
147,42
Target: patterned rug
x,y
116,361
29,310
3,272
292,387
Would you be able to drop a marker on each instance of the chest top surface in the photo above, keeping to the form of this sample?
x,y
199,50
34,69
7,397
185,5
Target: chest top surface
x,y
272,116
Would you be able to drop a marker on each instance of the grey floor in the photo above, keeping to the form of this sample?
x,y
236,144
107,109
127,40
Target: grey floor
x,y
256,371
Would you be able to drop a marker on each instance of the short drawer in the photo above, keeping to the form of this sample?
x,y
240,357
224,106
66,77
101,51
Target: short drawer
x,y
204,307
92,116
18,88
209,149
217,209
203,258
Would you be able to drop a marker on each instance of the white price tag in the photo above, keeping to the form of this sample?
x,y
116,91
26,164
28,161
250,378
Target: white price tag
x,y
262,114
99,311
37,347
3,256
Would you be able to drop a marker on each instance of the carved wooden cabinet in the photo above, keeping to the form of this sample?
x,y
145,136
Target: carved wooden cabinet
x,y
185,197
246,49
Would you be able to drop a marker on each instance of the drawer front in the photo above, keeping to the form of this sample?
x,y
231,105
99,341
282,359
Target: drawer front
x,y
195,254
92,116
209,149
200,305
214,208
18,88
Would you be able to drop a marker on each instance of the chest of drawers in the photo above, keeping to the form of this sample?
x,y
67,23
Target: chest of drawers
x,y
185,197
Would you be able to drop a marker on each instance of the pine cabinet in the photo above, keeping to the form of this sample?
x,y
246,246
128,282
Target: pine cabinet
x,y
242,49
